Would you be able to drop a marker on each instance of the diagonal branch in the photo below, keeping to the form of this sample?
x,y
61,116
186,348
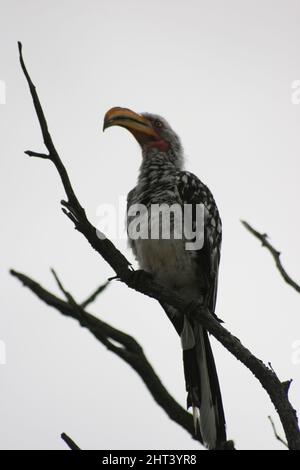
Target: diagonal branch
x,y
91,298
72,207
279,438
70,443
143,283
120,343
263,237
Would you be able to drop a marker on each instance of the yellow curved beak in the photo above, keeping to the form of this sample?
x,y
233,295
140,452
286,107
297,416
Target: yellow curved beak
x,y
137,124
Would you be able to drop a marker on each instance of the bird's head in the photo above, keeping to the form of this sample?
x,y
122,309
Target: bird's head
x,y
150,130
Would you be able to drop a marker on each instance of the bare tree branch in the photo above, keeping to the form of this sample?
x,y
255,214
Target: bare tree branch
x,y
71,208
263,237
94,295
275,432
120,343
70,443
143,283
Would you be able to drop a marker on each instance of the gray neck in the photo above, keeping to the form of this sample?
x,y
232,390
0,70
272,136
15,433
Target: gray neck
x,y
157,177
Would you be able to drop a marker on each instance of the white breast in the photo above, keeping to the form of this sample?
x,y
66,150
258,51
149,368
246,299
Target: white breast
x,y
168,261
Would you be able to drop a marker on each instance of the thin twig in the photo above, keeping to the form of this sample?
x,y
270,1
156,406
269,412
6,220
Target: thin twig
x,y
276,433
94,295
263,237
72,207
71,301
70,443
141,282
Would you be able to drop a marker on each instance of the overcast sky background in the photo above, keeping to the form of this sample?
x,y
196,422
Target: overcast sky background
x,y
221,73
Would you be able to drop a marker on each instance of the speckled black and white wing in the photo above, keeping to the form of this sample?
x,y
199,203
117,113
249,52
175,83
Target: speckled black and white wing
x,y
193,191
199,362
131,199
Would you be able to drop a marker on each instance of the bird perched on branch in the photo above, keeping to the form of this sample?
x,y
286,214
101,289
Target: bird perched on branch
x,y
193,271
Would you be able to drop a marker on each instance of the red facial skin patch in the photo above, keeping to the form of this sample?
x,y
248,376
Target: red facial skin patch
x,y
160,145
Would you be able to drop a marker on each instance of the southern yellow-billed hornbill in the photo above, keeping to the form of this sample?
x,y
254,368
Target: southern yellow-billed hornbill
x,y
191,273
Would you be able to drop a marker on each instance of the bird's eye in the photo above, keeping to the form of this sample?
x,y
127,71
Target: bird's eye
x,y
157,123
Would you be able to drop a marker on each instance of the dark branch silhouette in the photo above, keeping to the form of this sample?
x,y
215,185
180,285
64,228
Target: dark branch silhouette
x,y
94,295
144,283
263,237
276,433
118,342
70,443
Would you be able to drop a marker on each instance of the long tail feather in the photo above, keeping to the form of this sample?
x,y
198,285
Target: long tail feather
x,y
201,379
203,390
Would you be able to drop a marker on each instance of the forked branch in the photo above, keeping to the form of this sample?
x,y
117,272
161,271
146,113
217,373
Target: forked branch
x,y
118,342
263,237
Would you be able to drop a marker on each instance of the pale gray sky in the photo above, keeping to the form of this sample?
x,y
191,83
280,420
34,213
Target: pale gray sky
x,y
221,73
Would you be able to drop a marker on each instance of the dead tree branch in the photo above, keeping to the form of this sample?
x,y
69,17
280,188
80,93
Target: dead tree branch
x,y
263,237
70,443
91,298
143,283
118,342
276,433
